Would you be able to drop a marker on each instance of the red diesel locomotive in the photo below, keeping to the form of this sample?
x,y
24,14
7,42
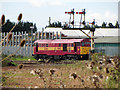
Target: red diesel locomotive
x,y
61,49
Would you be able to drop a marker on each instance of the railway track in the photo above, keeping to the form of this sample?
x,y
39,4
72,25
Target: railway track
x,y
32,63
25,62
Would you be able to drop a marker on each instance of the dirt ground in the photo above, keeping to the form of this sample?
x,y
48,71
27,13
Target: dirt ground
x,y
67,75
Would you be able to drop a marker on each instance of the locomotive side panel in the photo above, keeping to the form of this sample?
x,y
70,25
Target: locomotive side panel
x,y
55,49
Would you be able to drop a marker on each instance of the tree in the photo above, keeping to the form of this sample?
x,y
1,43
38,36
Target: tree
x,y
96,26
55,24
7,26
104,25
21,26
117,24
110,25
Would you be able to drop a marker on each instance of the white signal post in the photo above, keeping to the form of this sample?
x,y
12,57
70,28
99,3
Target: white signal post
x,y
73,12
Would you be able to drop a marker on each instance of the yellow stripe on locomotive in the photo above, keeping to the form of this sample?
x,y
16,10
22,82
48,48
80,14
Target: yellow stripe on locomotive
x,y
54,48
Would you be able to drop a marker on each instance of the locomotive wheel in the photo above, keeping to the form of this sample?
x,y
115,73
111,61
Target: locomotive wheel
x,y
57,57
36,57
50,61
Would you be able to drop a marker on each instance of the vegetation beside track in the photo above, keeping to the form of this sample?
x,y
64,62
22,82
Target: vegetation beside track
x,y
100,72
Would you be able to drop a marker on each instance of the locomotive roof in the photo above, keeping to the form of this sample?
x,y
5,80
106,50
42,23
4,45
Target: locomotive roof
x,y
59,41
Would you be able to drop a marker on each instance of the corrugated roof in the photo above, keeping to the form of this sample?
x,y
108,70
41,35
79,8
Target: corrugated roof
x,y
77,33
59,41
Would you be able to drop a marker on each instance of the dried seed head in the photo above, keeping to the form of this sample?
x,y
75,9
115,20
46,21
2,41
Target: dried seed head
x,y
82,80
39,72
22,43
100,67
20,17
107,70
40,75
92,63
2,19
9,36
52,71
32,72
101,76
20,66
73,75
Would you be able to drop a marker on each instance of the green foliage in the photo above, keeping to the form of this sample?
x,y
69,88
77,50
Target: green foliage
x,y
112,82
104,25
116,25
8,63
3,79
21,26
110,25
3,56
95,56
55,24
22,58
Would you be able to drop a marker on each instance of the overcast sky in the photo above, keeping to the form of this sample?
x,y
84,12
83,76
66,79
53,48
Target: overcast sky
x,y
39,11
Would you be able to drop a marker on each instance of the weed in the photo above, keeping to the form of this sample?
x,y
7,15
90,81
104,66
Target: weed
x,y
111,82
95,56
8,63
21,58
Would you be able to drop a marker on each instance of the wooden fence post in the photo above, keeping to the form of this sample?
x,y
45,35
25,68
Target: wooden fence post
x,y
38,35
49,34
28,46
25,44
1,37
42,35
31,43
35,36
60,35
52,35
13,43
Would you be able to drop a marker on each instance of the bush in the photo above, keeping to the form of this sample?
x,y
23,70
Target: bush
x,y
96,56
8,63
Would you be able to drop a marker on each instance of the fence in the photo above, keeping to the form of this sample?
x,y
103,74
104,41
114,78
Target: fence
x,y
12,46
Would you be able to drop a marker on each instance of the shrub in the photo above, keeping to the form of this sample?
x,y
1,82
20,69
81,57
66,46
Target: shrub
x,y
8,63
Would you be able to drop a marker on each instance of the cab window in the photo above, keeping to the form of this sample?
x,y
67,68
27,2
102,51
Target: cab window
x,y
59,45
72,44
83,44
